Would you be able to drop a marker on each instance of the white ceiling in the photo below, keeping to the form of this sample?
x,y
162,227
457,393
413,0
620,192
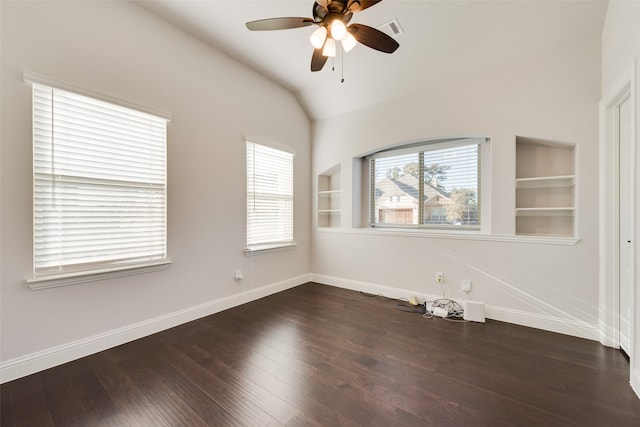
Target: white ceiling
x,y
441,37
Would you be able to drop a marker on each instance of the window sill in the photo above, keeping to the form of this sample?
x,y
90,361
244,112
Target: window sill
x,y
54,281
263,249
456,235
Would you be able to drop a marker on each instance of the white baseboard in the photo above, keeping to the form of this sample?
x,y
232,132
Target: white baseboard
x,y
571,327
635,381
48,358
608,327
545,322
41,360
370,288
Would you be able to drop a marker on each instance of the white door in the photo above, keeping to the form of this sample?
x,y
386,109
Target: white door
x,y
626,222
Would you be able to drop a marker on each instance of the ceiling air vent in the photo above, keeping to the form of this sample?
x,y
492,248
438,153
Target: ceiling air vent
x,y
392,28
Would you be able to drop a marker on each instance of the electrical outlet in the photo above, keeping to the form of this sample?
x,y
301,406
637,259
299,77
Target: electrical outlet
x,y
466,286
440,277
239,276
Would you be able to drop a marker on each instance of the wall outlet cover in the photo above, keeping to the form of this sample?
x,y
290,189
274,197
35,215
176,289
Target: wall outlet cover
x,y
466,285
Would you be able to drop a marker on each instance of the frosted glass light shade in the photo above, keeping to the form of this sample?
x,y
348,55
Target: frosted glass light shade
x,y
318,37
338,29
329,48
348,42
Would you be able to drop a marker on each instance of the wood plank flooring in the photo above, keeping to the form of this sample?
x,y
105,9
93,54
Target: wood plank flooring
x,y
321,356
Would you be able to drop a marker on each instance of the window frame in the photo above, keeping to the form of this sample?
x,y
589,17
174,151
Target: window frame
x,y
287,239
77,272
419,148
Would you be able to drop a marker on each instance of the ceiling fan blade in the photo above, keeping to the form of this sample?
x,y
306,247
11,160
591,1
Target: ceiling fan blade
x,y
318,59
360,5
373,38
320,10
278,24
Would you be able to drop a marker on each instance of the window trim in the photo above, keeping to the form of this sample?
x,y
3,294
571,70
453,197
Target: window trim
x,y
51,279
268,247
31,77
264,249
419,147
55,281
426,233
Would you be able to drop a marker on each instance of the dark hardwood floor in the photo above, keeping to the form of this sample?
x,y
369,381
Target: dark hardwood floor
x,y
321,356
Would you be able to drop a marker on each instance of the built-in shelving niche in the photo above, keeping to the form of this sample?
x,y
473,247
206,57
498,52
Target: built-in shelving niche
x,y
545,188
329,198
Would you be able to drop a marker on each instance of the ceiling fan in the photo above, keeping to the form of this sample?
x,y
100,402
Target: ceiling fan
x,y
332,17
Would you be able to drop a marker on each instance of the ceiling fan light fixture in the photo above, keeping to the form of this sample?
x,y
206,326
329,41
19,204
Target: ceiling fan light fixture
x,y
318,37
338,29
348,42
332,17
329,48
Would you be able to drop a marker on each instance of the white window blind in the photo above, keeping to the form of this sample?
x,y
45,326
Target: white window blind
x,y
433,184
269,196
99,184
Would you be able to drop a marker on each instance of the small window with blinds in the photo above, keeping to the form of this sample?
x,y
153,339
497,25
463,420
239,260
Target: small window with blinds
x,y
269,198
100,191
427,185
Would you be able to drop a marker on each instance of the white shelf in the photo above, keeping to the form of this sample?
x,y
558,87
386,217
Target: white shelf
x,y
329,198
548,235
545,188
546,182
329,193
563,211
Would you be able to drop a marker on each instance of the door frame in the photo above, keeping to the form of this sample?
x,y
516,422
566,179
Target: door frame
x,y
625,191
609,219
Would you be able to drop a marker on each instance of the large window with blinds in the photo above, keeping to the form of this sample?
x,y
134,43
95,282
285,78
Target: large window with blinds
x,y
269,197
99,200
434,184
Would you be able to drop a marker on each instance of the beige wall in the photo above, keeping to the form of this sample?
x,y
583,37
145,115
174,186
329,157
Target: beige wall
x,y
620,41
620,61
549,91
118,49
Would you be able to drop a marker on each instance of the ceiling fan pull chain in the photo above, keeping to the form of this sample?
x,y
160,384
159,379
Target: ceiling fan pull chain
x,y
342,63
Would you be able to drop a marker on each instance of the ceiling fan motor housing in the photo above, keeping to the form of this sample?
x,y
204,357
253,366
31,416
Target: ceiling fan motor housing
x,y
337,9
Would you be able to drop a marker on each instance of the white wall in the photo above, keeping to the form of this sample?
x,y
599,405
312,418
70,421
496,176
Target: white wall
x,y
118,49
551,92
620,41
620,56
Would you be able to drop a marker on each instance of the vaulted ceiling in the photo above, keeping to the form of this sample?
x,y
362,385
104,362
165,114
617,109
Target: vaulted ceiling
x,y
442,39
